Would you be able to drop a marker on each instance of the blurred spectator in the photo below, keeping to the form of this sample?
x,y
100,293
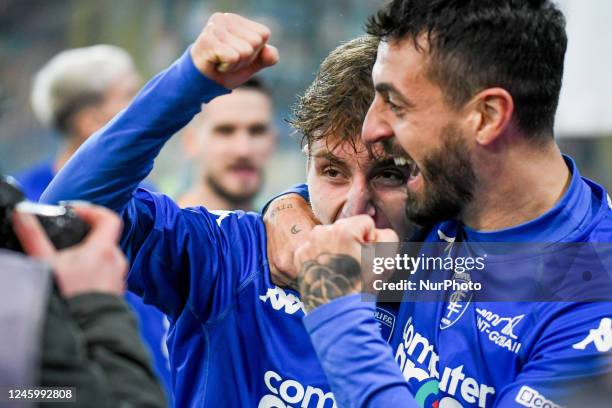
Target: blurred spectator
x,y
76,93
230,142
70,328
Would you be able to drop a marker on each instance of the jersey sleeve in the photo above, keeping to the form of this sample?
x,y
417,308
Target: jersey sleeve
x,y
301,189
189,259
571,362
358,363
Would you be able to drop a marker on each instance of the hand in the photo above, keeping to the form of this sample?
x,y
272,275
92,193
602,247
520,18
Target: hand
x,y
95,265
329,261
288,221
231,49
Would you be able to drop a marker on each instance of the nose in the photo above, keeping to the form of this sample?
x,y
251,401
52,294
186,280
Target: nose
x,y
243,143
375,127
359,199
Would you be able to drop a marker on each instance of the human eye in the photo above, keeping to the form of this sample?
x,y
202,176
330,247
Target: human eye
x,y
393,105
392,177
331,172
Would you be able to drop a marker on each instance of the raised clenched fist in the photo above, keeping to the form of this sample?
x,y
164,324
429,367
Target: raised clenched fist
x,y
231,49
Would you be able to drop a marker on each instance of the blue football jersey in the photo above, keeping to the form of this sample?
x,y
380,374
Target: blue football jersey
x,y
454,353
236,339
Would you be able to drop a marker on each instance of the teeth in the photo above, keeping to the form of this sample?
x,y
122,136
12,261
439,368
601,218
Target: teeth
x,y
400,161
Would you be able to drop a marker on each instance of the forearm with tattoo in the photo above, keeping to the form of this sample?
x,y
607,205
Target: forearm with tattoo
x,y
328,277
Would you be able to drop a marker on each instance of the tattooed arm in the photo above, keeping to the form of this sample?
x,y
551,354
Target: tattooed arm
x,y
328,260
357,362
328,277
288,221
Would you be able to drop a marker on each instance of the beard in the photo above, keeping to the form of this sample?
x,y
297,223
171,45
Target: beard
x,y
243,198
448,182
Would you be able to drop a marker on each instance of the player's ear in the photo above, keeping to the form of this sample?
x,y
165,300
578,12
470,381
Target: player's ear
x,y
490,113
306,152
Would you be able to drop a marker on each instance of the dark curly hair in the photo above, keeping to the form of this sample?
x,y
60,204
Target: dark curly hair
x,y
336,103
518,45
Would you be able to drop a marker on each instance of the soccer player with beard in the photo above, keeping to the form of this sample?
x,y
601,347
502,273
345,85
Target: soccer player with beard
x,y
230,142
236,337
468,91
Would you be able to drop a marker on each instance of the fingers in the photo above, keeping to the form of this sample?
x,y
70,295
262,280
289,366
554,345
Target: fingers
x,y
32,237
105,225
360,227
232,48
302,254
385,235
234,42
250,25
267,57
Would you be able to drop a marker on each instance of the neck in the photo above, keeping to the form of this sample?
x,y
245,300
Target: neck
x,y
203,195
69,148
518,186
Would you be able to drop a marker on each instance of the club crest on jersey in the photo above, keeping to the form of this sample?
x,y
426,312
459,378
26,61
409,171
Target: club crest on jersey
x,y
457,301
498,329
457,304
386,322
281,300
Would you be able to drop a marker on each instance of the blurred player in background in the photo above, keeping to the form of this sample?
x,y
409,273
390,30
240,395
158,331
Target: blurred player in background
x,y
76,93
230,142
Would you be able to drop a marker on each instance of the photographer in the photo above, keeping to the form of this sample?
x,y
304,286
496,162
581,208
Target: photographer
x,y
71,327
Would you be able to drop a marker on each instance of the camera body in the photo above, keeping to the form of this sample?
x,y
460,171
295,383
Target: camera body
x,y
62,225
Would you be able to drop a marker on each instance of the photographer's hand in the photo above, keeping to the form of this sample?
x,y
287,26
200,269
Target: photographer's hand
x,y
95,265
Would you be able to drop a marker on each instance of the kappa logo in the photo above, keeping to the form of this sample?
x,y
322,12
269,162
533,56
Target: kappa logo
x,y
279,299
601,337
499,330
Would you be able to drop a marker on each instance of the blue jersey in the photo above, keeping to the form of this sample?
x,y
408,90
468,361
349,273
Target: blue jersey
x,y
481,354
152,323
34,180
235,339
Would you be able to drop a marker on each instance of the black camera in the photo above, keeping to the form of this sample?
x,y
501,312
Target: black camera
x,y
62,225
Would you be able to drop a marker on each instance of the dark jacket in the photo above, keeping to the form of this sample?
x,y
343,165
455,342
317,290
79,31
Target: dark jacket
x,y
89,342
